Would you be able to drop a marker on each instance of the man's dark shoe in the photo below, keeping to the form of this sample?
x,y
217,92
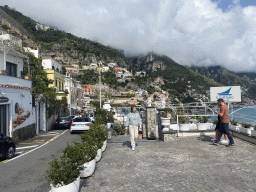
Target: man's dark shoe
x,y
215,143
230,145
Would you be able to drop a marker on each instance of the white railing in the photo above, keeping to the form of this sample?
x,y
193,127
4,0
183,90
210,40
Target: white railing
x,y
15,81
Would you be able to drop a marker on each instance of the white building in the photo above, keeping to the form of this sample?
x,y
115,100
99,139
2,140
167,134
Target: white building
x,y
74,94
105,68
112,65
35,52
17,116
49,63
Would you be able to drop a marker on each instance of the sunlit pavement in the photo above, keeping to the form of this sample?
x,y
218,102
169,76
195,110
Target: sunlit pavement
x,y
184,164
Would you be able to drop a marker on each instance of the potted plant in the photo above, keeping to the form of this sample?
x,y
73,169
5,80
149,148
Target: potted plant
x,y
63,173
234,126
184,123
91,147
99,136
203,122
246,128
3,72
253,132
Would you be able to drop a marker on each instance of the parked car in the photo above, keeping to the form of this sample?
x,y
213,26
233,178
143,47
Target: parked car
x,y
80,124
63,122
7,147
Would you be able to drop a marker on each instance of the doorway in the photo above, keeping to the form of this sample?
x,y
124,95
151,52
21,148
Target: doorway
x,y
3,119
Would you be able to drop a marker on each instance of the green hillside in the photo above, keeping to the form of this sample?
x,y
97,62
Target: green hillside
x,y
68,47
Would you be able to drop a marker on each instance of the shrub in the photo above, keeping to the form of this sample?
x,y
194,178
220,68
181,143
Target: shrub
x,y
233,122
246,125
76,153
95,136
62,172
215,121
254,127
184,119
202,119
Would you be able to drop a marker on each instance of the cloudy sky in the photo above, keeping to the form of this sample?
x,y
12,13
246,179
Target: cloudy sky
x,y
199,32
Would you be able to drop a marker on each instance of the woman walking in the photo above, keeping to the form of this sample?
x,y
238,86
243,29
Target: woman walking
x,y
133,121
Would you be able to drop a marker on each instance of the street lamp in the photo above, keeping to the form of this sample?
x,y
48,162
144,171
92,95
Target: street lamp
x,y
100,82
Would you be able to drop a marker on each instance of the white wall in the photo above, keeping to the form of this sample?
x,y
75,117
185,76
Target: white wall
x,y
34,52
48,63
21,96
12,59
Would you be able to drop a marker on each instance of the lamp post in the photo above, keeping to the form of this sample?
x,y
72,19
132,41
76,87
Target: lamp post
x,y
100,82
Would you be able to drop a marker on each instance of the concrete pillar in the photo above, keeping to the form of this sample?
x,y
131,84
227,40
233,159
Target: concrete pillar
x,y
150,123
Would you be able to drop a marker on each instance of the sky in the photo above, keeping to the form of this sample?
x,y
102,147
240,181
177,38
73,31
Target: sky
x,y
191,32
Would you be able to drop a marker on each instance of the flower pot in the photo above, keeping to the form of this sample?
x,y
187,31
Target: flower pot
x,y
98,156
72,187
203,126
184,127
253,133
89,168
232,127
173,126
166,123
103,148
246,130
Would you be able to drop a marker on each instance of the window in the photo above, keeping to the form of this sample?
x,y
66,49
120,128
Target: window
x,y
11,69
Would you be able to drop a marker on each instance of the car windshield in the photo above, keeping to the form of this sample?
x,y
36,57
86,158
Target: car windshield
x,y
64,118
82,120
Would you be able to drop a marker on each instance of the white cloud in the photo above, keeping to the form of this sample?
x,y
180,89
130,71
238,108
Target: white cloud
x,y
188,31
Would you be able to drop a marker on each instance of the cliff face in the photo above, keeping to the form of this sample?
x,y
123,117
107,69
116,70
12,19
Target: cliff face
x,y
79,51
148,63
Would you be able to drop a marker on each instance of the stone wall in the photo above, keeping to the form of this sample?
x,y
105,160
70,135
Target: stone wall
x,y
24,133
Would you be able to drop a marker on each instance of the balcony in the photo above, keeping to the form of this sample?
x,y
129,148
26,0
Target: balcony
x,y
15,81
11,41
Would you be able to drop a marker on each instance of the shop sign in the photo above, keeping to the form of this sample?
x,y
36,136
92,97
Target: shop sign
x,y
3,99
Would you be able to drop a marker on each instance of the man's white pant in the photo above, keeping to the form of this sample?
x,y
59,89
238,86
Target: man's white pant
x,y
133,130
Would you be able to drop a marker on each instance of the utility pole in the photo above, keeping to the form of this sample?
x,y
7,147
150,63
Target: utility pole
x,y
100,82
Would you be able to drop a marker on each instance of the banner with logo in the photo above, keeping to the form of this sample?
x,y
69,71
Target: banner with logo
x,y
228,94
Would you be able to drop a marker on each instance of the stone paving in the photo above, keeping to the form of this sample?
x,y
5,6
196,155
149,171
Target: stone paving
x,y
184,164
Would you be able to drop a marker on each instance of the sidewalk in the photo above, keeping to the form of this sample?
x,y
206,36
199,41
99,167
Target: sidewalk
x,y
185,164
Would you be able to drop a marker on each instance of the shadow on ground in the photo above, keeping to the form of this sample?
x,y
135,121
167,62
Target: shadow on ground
x,y
205,138
127,143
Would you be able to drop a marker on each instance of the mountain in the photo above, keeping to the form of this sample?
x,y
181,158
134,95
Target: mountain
x,y
67,48
183,83
229,78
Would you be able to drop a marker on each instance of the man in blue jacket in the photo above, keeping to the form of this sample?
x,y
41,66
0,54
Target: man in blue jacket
x,y
133,121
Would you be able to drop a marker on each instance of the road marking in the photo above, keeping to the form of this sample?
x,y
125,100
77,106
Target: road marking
x,y
6,161
52,133
53,138
26,147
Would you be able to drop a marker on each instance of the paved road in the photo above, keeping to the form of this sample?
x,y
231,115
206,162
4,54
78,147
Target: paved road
x,y
185,164
27,172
